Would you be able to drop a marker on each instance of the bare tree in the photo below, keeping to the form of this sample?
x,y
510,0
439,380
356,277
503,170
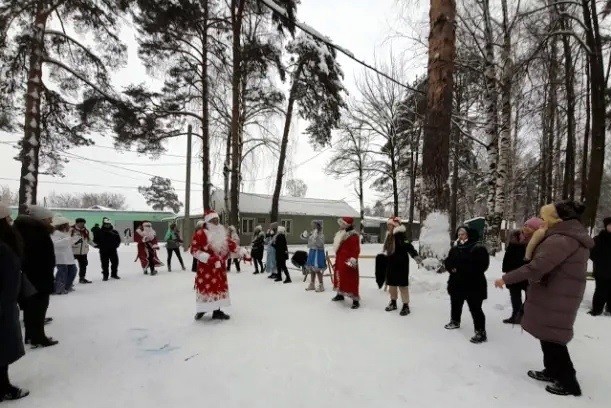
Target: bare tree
x,y
296,188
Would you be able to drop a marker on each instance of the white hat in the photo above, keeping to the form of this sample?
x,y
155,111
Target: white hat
x,y
59,220
39,213
210,215
4,211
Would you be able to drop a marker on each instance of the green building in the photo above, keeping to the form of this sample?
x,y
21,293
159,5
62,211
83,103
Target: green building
x,y
295,214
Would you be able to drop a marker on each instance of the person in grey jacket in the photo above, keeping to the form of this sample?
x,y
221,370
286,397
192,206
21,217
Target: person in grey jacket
x,y
317,260
11,340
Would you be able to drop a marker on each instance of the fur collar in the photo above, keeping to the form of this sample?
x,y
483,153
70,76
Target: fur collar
x,y
340,237
399,229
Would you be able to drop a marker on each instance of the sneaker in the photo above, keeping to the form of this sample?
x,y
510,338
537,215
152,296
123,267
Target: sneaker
x,y
452,326
198,316
338,298
310,286
320,288
220,315
355,304
540,376
480,337
83,280
391,306
405,310
14,393
558,389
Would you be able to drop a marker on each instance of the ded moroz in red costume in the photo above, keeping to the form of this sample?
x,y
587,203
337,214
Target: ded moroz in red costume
x,y
211,247
148,245
347,250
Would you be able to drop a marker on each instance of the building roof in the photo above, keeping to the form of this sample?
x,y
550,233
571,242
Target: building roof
x,y
96,215
262,203
370,222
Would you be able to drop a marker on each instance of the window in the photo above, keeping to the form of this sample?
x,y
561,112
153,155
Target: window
x,y
261,221
288,225
248,225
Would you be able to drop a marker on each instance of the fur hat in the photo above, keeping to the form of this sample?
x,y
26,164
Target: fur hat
x,y
281,230
80,220
200,223
39,213
550,215
210,215
534,223
345,222
569,210
106,220
607,221
5,212
394,221
59,220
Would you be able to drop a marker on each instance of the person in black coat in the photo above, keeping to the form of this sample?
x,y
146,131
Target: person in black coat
x,y
467,263
601,257
38,265
108,240
256,250
515,257
11,342
282,255
398,251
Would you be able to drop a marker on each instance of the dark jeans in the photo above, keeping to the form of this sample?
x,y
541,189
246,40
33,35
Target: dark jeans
x,y
258,263
558,364
602,296
515,292
178,255
194,265
34,313
111,257
5,384
82,265
235,261
475,307
281,265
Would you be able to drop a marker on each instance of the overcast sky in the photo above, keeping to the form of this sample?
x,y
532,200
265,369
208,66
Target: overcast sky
x,y
362,26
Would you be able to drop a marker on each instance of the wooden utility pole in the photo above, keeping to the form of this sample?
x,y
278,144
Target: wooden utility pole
x,y
187,225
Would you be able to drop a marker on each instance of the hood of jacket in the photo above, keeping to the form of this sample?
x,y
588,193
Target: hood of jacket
x,y
573,229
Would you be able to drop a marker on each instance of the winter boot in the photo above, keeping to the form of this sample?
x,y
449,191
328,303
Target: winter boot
x,y
391,306
338,298
310,286
48,342
273,276
355,304
169,268
117,277
105,278
593,313
153,272
320,288
198,316
278,278
540,376
83,280
146,271
512,320
255,273
452,326
220,315
480,337
13,393
405,310
558,389
288,279
182,266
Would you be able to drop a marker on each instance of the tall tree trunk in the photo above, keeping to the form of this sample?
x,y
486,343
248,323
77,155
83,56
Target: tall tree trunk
x,y
436,148
30,145
283,146
227,175
395,182
586,135
237,13
207,182
568,185
454,190
552,109
597,83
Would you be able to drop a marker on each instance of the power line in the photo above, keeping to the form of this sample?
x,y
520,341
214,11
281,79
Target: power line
x,y
88,184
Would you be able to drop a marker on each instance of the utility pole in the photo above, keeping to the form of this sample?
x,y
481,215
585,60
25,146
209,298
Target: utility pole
x,y
186,223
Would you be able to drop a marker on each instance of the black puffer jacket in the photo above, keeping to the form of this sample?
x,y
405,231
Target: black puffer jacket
x,y
467,264
108,239
282,250
257,246
514,257
38,261
397,264
601,253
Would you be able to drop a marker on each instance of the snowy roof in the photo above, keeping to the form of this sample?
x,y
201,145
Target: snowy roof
x,y
369,221
262,204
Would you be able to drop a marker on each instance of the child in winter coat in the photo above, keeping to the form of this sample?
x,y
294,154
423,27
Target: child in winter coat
x,y
317,260
550,218
257,248
234,256
282,254
64,258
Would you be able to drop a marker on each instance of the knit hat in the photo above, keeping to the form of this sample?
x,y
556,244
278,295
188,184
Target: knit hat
x,y
80,220
534,223
273,225
39,213
4,211
394,221
210,215
607,221
59,220
569,210
106,220
345,222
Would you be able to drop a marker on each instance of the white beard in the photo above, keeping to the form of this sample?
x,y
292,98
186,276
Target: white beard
x,y
340,237
217,238
148,232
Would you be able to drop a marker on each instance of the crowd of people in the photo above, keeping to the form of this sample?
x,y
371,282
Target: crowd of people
x,y
547,259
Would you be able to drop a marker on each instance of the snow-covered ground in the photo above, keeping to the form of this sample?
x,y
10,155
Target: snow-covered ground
x,y
134,343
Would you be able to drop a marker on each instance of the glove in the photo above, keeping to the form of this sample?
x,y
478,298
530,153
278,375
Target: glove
x,y
218,264
202,256
418,260
352,263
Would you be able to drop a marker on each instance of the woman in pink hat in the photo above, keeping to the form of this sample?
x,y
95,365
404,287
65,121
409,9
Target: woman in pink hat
x,y
347,248
515,258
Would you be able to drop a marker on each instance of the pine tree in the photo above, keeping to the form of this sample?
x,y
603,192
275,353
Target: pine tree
x,y
161,195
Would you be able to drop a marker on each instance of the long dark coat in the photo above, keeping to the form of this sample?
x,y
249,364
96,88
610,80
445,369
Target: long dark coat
x,y
557,276
256,251
514,258
11,340
38,262
601,256
471,261
281,246
397,263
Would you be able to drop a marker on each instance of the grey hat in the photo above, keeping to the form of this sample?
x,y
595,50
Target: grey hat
x,y
4,211
40,213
